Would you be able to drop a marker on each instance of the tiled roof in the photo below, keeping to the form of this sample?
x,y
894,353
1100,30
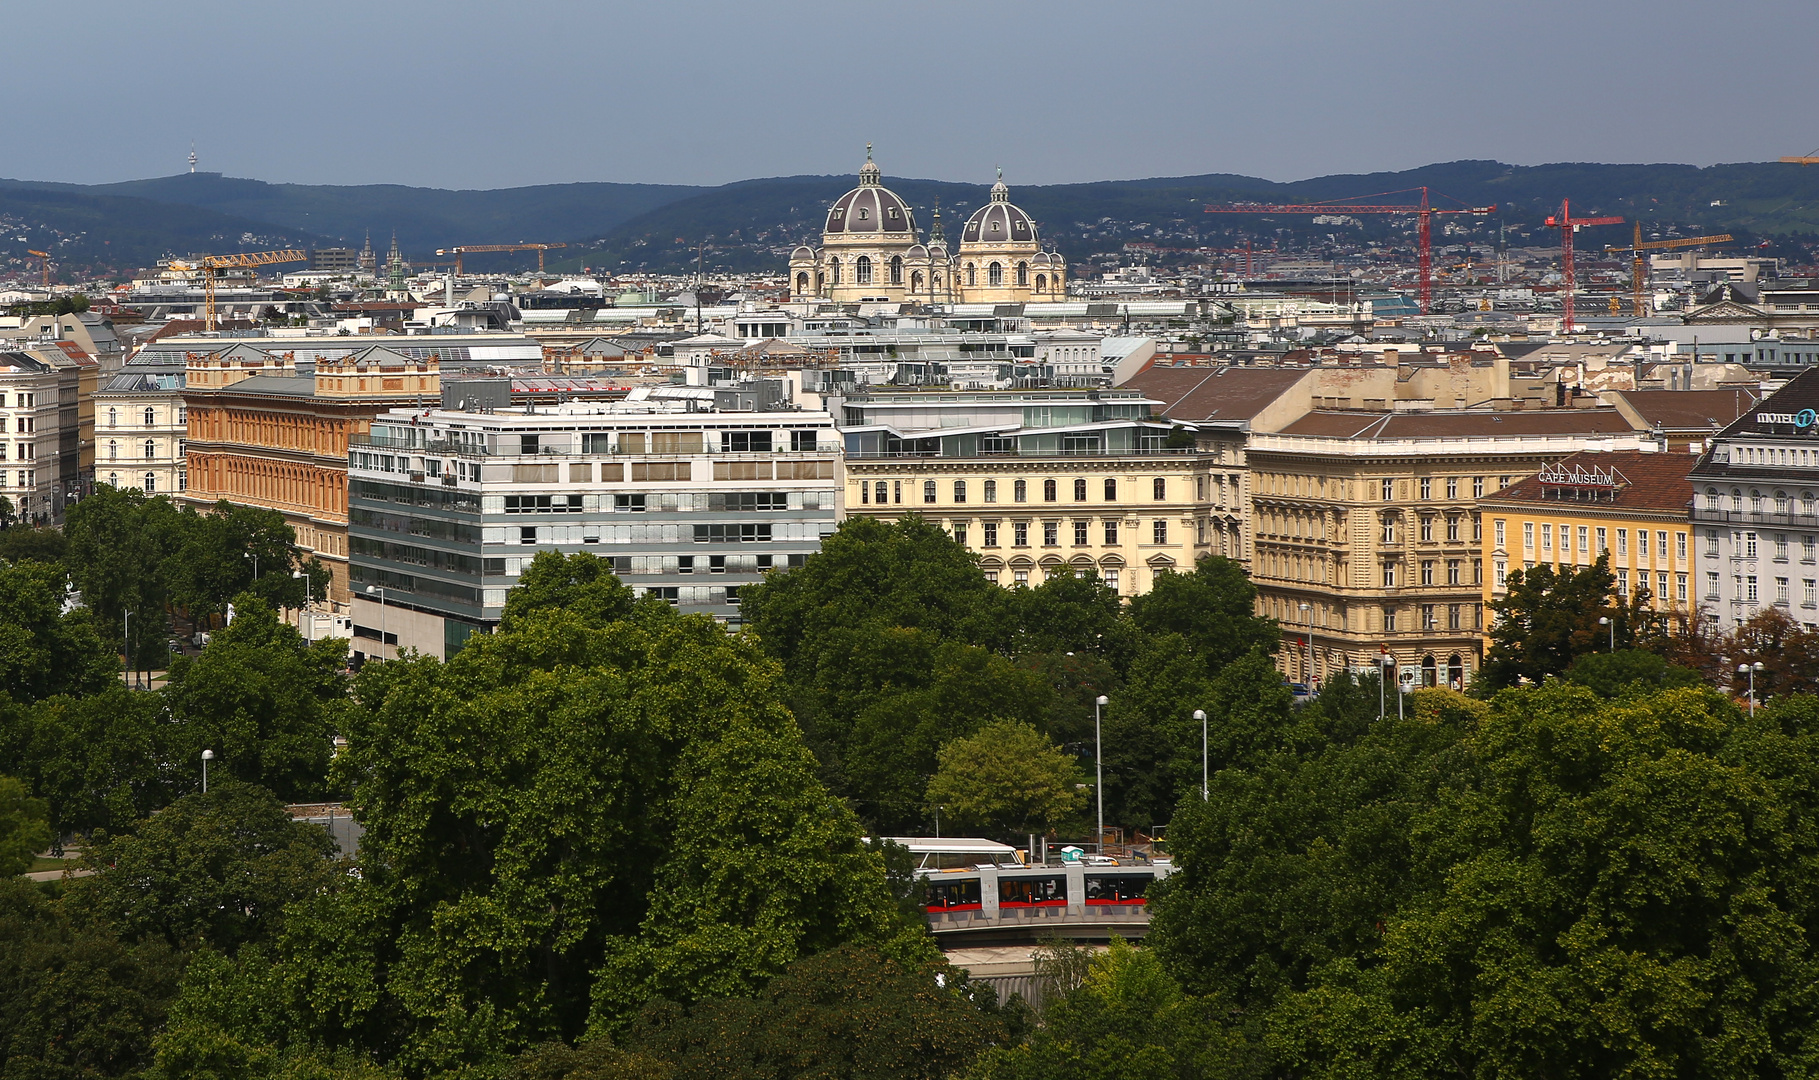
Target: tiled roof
x,y
1656,481
1459,425
1230,394
1799,394
1689,410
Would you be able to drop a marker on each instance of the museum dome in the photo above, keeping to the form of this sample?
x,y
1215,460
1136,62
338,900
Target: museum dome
x,y
870,208
999,221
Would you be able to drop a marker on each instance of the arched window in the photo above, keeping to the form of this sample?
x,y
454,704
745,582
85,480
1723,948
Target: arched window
x,y
916,281
928,491
1712,501
113,480
994,274
151,483
934,282
991,491
1020,491
1111,491
151,449
113,417
1041,282
1158,488
833,270
1080,490
896,269
1023,273
1049,491
820,282
1780,502
802,284
1755,501
151,416
113,450
972,275
960,491
862,270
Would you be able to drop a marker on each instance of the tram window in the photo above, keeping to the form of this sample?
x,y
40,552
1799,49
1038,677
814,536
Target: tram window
x,y
1117,888
958,895
1032,891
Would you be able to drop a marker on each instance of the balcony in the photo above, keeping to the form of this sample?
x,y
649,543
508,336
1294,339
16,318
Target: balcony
x,y
1757,517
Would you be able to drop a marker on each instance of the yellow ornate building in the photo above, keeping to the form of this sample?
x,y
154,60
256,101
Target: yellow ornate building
x,y
871,251
263,434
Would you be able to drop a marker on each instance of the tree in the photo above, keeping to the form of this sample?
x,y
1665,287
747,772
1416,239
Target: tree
x,y
1213,609
580,583
1611,674
45,650
1008,779
565,821
265,701
23,831
846,1014
1549,617
121,546
215,870
40,544
97,761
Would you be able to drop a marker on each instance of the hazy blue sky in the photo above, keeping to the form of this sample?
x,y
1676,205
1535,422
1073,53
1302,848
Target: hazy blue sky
x,y
462,94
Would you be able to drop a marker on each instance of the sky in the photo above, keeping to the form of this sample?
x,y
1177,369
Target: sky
x,y
460,94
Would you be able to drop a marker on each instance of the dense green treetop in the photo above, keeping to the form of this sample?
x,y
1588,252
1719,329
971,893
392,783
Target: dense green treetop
x,y
24,831
581,583
1008,779
43,649
1213,609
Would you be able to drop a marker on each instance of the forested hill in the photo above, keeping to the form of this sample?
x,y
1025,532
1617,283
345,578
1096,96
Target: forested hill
x,y
752,224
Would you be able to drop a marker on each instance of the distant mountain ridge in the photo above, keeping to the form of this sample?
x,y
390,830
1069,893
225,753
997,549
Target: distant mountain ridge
x,y
751,224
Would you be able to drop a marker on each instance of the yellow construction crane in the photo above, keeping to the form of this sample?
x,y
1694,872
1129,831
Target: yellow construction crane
x,y
45,258
212,265
1638,269
1808,159
473,249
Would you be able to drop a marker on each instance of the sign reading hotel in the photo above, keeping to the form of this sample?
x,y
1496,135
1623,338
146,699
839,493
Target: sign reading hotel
x,y
1802,419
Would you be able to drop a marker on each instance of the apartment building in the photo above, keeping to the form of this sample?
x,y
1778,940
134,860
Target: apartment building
x,y
39,431
1755,510
1628,505
264,431
1037,480
1367,539
141,428
692,493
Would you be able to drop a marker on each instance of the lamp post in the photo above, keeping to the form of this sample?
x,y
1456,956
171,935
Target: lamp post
x,y
207,756
306,602
1200,715
1384,664
1750,670
1099,703
1307,647
126,648
380,590
253,555
1606,620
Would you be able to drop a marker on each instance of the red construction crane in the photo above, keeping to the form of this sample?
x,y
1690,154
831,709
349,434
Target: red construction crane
x,y
1424,215
1568,225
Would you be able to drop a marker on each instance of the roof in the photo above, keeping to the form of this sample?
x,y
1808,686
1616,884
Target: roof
x,y
1445,424
869,208
279,385
998,222
1689,410
1652,481
1197,394
1800,395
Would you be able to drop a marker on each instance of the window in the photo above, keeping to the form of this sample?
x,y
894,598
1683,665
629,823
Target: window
x,y
1020,534
994,273
1452,616
151,483
1023,273
1079,490
151,416
1159,489
1547,538
1389,575
1452,571
1389,528
990,529
1781,591
1583,537
1749,545
1079,534
151,449
1158,531
113,450
883,493
1427,488
1452,527
865,493
1497,531
960,491
1809,592
959,531
1528,536
928,491
1389,490
1111,532
1749,588
1427,617
862,270
1427,528
1020,491
1051,533
1427,571
732,533
991,491
1623,542
1022,576
1806,548
1050,491
896,270
745,442
1680,546
804,441
1389,620
1711,584
1501,571
1711,541
1623,582
1111,580
1642,543
113,416
1780,547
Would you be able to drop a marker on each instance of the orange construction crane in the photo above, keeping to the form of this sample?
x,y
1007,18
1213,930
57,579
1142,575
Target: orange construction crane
x,y
45,258
212,265
1639,270
473,249
1424,215
1808,159
1568,225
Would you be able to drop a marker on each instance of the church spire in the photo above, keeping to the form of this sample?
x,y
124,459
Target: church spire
x,y
935,235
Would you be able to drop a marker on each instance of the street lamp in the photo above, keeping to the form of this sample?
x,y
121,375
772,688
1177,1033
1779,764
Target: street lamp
x,y
1307,647
380,590
126,648
207,756
1200,715
1750,670
1099,703
253,555
306,602
1605,620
